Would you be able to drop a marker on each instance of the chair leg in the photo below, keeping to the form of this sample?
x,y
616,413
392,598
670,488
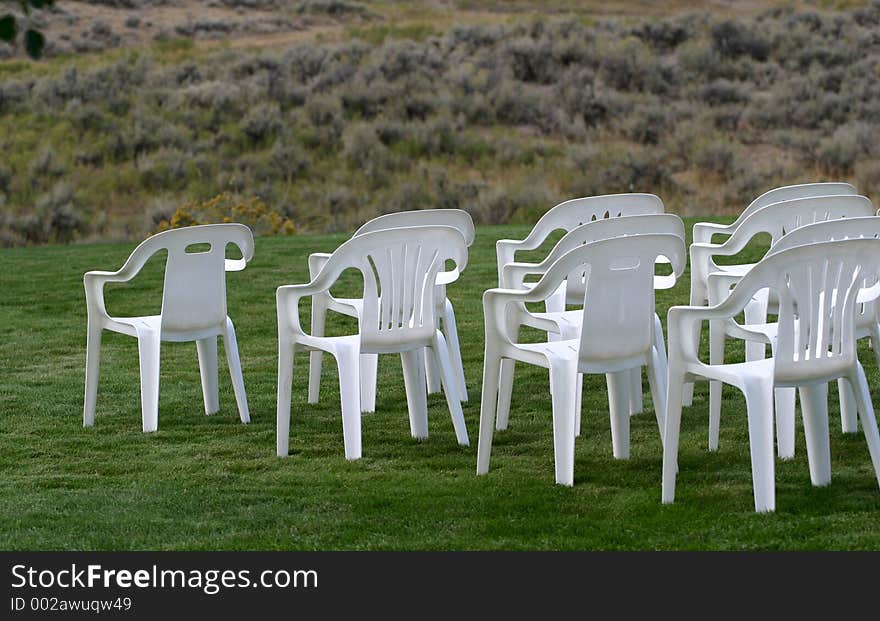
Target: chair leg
x,y
488,400
660,350
655,382
755,313
450,330
505,391
636,400
450,386
687,394
230,344
698,297
316,358
148,354
431,372
563,376
207,350
369,368
348,362
285,384
416,396
875,342
716,356
618,403
578,404
674,397
785,419
759,406
866,412
849,418
93,366
814,409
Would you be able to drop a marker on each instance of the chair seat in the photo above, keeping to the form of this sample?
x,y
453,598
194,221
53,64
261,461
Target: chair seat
x,y
736,270
129,325
353,307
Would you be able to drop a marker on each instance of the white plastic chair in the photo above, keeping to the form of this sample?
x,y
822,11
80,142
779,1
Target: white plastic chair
x,y
567,216
776,220
193,309
867,325
818,287
566,324
617,335
352,307
703,233
400,268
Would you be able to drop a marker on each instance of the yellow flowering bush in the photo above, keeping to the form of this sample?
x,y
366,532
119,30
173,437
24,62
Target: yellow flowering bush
x,y
227,208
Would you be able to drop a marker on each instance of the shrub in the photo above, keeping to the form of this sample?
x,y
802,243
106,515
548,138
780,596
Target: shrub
x,y
366,100
58,217
163,170
46,164
715,157
324,114
522,203
532,61
336,8
5,179
840,152
663,35
365,152
867,175
626,65
405,58
288,159
228,208
261,123
733,39
719,92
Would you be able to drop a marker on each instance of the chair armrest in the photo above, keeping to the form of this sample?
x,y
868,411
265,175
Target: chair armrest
x,y
287,298
235,265
720,284
446,278
505,251
317,261
94,282
495,303
513,274
703,231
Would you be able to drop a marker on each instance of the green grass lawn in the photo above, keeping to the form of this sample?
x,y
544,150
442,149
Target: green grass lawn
x,y
212,483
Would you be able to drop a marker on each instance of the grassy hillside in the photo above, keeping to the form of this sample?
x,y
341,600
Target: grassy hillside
x,y
503,109
211,483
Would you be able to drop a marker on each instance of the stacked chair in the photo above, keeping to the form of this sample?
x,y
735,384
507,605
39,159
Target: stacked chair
x,y
819,279
352,307
819,288
616,336
566,217
403,275
777,220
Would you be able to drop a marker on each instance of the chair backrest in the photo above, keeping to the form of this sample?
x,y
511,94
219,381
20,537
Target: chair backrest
x,y
790,192
832,230
618,319
194,293
778,219
817,285
660,224
456,218
579,211
836,230
399,268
